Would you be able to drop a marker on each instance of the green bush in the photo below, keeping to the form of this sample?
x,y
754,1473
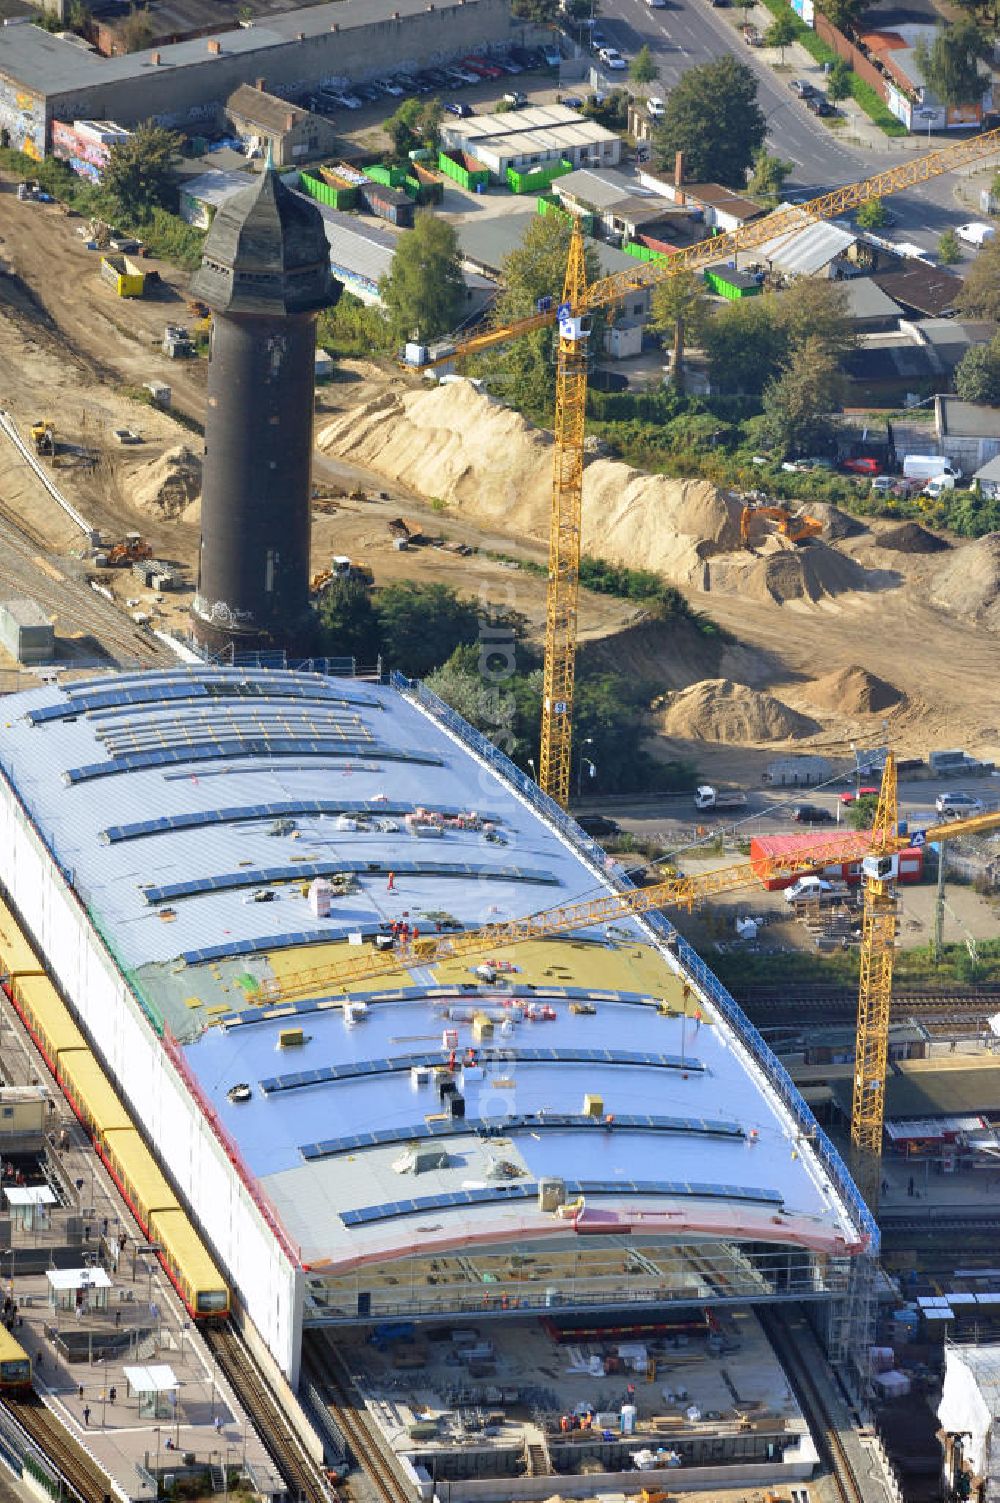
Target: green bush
x,y
168,237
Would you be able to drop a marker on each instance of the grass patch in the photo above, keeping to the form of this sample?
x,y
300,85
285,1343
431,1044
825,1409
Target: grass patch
x,y
916,967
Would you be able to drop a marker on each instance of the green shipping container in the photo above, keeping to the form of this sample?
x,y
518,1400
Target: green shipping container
x,y
389,177
549,204
463,170
725,282
538,180
642,252
325,193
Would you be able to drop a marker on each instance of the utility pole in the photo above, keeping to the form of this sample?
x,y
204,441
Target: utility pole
x,y
939,906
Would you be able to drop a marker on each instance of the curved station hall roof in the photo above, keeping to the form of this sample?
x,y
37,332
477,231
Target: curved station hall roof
x,y
193,810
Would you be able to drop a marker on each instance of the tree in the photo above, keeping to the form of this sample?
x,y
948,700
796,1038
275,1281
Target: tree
x,y
506,709
838,83
798,402
949,250
539,12
644,67
523,373
415,124
140,173
768,177
861,812
843,13
425,290
816,308
977,378
872,215
137,29
980,296
346,620
713,117
950,65
782,31
680,311
420,625
745,346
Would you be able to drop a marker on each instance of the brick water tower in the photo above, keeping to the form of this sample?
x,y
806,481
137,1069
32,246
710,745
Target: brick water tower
x,y
265,274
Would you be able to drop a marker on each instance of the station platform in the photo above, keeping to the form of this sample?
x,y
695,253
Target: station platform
x,y
92,1304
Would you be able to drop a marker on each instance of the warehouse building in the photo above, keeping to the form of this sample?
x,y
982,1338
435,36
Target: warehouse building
x,y
191,847
45,77
530,139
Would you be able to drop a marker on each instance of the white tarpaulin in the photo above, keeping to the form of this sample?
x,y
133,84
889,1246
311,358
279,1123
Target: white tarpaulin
x,y
970,1399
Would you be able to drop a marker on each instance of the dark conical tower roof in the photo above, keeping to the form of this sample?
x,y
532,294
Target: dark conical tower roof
x,y
266,253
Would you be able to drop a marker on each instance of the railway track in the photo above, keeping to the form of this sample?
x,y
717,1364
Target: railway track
x,y
304,1480
758,1001
361,1433
850,1487
82,1475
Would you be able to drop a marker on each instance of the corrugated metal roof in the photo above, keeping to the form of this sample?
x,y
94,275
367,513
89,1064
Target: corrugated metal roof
x,y
806,251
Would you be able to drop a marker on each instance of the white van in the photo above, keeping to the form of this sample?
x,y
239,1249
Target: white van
x,y
936,488
929,467
807,887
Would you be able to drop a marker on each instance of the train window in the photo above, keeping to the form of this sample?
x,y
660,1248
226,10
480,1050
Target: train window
x,y
212,1299
17,1370
8,1111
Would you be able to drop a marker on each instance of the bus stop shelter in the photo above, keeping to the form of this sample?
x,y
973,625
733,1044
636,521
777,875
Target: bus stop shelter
x,y
156,1388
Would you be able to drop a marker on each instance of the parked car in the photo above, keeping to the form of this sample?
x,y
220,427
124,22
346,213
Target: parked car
x,y
751,35
820,105
509,65
515,99
436,77
462,76
482,66
657,4
812,814
655,108
345,101
975,233
958,805
801,87
572,101
598,40
598,824
865,792
389,86
869,467
552,55
366,93
456,107
612,59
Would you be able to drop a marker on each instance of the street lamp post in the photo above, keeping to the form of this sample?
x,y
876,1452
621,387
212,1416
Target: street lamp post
x,y
588,741
534,771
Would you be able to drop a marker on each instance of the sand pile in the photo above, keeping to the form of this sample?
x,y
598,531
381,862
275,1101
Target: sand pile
x,y
802,574
854,691
169,485
837,524
969,583
719,710
488,462
910,537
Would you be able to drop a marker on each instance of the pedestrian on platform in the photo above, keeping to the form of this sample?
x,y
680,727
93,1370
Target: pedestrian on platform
x,y
86,1415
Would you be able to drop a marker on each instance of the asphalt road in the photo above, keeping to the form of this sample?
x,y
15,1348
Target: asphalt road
x,y
768,811
688,32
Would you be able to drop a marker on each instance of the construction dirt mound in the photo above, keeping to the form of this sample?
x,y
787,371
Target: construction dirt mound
x,y
854,691
811,573
457,444
910,537
969,583
719,710
169,486
837,524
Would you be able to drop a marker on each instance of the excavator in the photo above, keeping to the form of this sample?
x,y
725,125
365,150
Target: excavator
x,y
43,436
797,527
133,549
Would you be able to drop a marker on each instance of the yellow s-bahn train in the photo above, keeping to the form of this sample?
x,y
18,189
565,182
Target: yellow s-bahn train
x,y
15,1365
99,1107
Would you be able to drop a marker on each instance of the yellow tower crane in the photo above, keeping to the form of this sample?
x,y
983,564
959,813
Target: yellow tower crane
x,y
578,303
878,852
